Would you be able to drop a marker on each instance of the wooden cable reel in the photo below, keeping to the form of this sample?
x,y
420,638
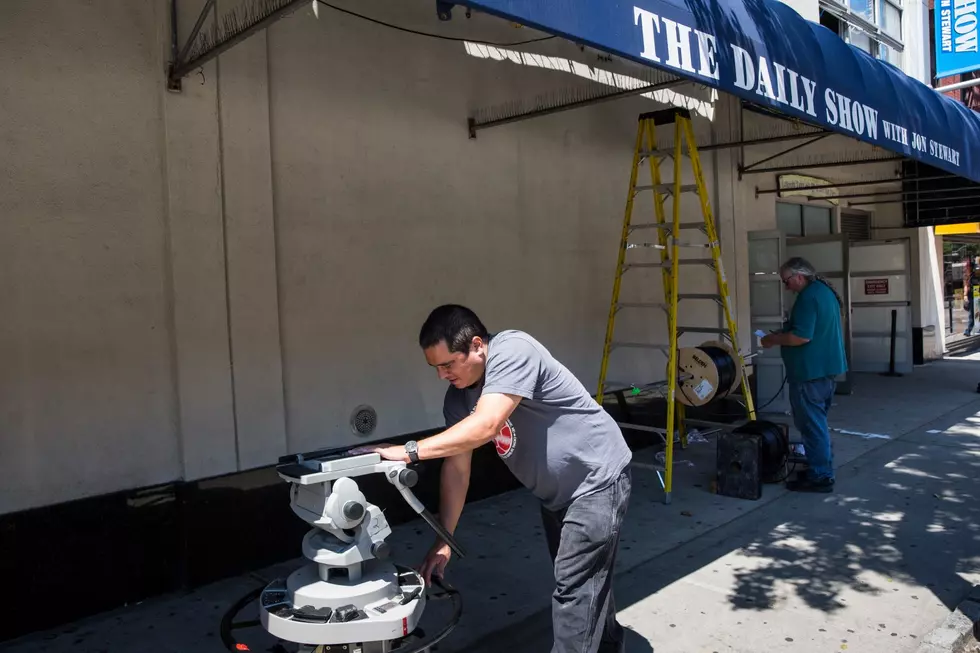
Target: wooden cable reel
x,y
707,372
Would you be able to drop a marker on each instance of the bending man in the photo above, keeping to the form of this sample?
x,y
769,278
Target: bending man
x,y
507,389
812,348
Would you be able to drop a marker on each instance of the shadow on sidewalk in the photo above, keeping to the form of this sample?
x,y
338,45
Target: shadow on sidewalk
x,y
917,521
905,515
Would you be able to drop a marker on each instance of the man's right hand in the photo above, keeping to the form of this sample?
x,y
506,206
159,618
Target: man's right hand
x,y
435,562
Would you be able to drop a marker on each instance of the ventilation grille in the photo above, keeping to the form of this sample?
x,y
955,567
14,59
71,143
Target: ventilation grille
x,y
855,226
364,420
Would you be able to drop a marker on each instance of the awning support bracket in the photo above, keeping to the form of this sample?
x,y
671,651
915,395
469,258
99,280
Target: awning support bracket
x,y
226,32
798,146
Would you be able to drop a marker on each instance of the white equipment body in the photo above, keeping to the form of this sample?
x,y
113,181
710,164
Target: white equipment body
x,y
349,597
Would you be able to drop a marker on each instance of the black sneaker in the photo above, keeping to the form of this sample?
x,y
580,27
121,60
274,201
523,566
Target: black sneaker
x,y
807,484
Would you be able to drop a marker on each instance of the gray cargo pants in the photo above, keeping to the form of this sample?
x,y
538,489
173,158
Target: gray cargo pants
x,y
582,540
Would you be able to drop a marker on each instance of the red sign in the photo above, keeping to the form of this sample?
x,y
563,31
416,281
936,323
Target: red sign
x,y
876,286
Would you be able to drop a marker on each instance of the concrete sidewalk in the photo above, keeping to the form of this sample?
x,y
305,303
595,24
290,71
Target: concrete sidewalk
x,y
893,551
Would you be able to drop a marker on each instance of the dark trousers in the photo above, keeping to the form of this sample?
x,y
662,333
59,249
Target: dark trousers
x,y
583,540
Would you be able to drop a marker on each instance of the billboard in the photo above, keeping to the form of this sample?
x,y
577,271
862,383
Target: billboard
x,y
956,37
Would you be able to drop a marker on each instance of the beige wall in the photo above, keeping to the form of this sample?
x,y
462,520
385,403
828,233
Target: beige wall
x,y
86,381
193,284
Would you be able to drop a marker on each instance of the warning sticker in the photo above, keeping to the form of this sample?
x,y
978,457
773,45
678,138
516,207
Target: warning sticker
x,y
703,389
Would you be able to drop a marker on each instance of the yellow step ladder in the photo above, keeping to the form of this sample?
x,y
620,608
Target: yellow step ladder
x,y
670,261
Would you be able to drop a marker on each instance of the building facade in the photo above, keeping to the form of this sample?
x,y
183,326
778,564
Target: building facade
x,y
195,283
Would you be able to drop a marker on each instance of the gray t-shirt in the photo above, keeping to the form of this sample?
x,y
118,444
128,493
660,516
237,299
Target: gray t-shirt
x,y
558,442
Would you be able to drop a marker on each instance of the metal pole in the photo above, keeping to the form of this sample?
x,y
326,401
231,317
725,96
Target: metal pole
x,y
951,300
928,191
955,87
773,191
927,200
193,35
891,359
476,126
184,68
784,152
811,166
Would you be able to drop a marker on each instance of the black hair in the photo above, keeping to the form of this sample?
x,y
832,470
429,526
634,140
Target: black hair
x,y
454,324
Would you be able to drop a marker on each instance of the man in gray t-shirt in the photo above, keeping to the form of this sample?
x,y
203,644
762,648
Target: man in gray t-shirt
x,y
508,389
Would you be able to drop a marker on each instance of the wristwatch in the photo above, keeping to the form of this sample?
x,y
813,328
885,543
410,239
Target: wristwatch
x,y
412,448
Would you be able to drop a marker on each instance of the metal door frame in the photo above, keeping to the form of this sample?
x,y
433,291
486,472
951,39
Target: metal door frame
x,y
783,395
845,386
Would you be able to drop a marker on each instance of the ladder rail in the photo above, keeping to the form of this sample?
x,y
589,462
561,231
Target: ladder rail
x,y
713,240
673,281
617,281
669,246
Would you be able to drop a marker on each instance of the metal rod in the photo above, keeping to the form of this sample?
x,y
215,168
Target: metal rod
x,y
894,337
918,201
958,85
194,32
951,299
903,192
754,141
184,69
475,126
173,32
772,191
785,152
812,166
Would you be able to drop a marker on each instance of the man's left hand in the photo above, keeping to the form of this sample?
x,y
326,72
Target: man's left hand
x,y
387,451
768,341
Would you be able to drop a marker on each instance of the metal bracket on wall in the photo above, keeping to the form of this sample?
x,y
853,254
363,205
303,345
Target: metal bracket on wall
x,y
226,31
556,102
743,169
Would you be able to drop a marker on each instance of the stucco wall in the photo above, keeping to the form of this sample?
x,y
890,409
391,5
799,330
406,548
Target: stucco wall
x,y
86,382
193,284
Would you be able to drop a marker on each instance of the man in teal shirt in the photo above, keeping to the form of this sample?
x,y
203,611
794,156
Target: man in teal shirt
x,y
812,348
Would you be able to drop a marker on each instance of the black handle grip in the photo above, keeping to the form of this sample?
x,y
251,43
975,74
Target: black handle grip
x,y
442,533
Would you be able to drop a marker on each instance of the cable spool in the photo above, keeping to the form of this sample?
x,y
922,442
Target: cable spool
x,y
708,372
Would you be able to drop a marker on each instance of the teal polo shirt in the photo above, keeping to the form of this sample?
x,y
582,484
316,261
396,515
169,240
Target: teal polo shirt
x,y
816,316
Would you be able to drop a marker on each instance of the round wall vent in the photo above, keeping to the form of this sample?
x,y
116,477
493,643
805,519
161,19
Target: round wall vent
x,y
363,420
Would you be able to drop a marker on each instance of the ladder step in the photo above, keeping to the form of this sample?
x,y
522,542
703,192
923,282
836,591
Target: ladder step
x,y
640,345
696,295
683,261
642,305
667,226
719,330
667,188
659,246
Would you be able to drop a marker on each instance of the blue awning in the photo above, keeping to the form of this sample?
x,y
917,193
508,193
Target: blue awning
x,y
764,52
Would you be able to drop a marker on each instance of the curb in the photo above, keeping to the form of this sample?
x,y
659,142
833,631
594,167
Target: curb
x,y
957,629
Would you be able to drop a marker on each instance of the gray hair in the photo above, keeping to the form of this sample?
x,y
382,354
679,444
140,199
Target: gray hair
x,y
801,266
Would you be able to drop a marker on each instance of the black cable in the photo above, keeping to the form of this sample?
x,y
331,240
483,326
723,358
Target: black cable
x,y
429,34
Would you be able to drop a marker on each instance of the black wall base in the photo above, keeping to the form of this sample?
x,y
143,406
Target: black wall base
x,y
100,553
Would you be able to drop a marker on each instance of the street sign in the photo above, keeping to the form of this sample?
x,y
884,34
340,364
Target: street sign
x,y
956,37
